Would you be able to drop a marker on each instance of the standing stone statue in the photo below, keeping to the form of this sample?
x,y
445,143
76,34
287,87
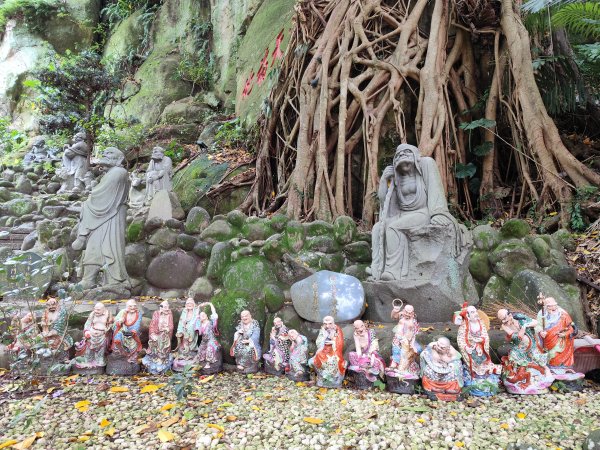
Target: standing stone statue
x,y
159,173
39,153
102,226
90,352
158,357
137,192
75,165
412,196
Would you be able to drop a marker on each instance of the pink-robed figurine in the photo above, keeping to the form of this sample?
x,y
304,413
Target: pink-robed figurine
x,y
557,332
187,337
365,361
158,357
210,354
90,352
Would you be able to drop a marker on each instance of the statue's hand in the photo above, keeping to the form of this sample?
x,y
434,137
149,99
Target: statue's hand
x,y
78,244
388,173
441,220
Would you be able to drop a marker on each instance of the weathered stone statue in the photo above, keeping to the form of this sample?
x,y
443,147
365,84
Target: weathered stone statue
x,y
137,192
158,358
276,359
366,362
102,226
297,368
482,376
558,331
441,371
75,165
329,362
90,352
210,354
411,195
159,173
525,370
126,342
246,344
39,153
187,337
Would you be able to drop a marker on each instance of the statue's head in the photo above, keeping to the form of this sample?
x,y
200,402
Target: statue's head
x,y
408,312
80,136
550,304
406,156
246,317
28,318
165,308
472,313
504,316
293,334
112,157
328,323
158,153
52,304
190,304
359,327
131,306
203,316
442,345
277,322
99,309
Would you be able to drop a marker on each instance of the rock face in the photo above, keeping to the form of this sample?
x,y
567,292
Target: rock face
x,y
328,294
172,270
439,284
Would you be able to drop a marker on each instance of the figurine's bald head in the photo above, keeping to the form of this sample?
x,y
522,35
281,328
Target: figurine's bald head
x,y
328,323
406,155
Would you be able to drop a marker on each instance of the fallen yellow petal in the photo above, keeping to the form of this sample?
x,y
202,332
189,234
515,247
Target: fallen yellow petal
x,y
119,389
83,438
168,406
165,436
149,389
110,432
82,404
313,420
8,443
207,379
104,423
504,426
459,444
216,427
521,415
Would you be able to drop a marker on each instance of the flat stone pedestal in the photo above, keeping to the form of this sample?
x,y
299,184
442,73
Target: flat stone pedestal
x,y
89,370
304,376
270,369
54,365
214,367
358,380
400,385
118,365
252,368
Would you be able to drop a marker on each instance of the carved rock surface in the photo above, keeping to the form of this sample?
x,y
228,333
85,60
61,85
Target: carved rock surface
x,y
328,293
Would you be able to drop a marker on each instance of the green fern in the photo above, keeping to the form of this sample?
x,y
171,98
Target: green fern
x,y
579,18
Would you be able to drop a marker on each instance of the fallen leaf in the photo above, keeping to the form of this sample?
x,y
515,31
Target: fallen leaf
x,y
119,389
427,329
110,432
206,379
83,438
50,390
521,415
504,426
171,421
344,402
313,420
256,408
421,420
8,443
216,427
319,397
380,402
207,401
168,406
459,444
165,436
25,443
323,390
104,423
249,399
83,405
226,405
231,418
300,384
150,388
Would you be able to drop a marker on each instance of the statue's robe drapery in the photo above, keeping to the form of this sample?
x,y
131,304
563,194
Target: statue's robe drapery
x,y
126,334
299,355
91,352
476,354
209,349
560,349
57,337
159,342
369,362
74,169
279,349
103,221
329,359
440,377
247,355
158,177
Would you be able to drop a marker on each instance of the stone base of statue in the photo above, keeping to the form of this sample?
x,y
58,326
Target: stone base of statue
x,y
298,376
97,370
399,385
482,386
270,368
565,379
249,368
447,396
436,284
120,365
213,367
108,292
357,379
179,364
54,365
157,365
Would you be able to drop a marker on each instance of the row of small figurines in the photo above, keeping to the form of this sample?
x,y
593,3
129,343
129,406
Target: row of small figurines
x,y
541,350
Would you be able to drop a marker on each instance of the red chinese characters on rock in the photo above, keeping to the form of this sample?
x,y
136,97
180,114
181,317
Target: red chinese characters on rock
x,y
261,74
262,70
248,85
277,53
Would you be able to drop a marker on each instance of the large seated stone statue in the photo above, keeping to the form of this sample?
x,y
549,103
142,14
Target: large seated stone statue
x,y
101,230
418,248
159,174
75,165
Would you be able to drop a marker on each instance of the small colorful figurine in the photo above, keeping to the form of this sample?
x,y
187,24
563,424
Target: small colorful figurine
x,y
187,337
524,369
329,362
24,332
403,372
90,352
557,331
441,371
158,358
276,359
56,341
297,368
366,362
126,342
246,344
210,354
482,376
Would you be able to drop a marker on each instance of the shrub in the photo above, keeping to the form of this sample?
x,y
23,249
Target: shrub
x,y
33,12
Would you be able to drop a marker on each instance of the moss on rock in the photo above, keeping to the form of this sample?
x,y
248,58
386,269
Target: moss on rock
x,y
135,231
515,228
249,274
344,230
479,266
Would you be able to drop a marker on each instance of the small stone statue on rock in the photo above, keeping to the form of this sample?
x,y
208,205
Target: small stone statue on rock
x,y
187,337
210,353
75,165
246,344
297,368
90,352
159,173
329,362
557,331
126,341
525,370
39,153
403,371
441,371
276,359
365,362
482,376
158,358
137,192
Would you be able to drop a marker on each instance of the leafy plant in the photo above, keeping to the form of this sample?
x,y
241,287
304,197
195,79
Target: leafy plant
x,y
581,18
33,12
464,170
11,140
120,133
582,194
231,134
175,151
183,382
198,67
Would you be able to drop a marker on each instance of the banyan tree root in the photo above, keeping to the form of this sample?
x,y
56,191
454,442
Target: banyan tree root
x,y
351,65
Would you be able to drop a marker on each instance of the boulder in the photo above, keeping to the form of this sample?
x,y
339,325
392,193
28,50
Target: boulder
x,y
333,262
511,257
201,290
592,440
220,257
318,228
515,229
135,231
136,259
294,235
249,274
565,239
18,207
358,251
541,249
274,297
172,270
219,230
485,237
197,220
53,212
23,185
164,238
185,110
203,249
236,218
278,222
495,291
344,230
323,244
28,278
562,274
186,242
273,248
256,229
328,293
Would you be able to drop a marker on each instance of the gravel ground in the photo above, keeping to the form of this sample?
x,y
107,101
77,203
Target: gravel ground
x,y
264,412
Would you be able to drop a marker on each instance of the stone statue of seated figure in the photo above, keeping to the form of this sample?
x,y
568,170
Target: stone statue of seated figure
x,y
411,196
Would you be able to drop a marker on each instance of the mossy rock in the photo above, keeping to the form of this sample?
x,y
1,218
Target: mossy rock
x,y
5,194
186,241
220,257
357,271
479,266
256,229
310,259
193,181
344,230
562,274
219,230
135,231
485,237
565,239
511,257
164,238
333,262
236,218
278,222
197,220
515,229
495,291
552,242
358,251
203,249
558,257
274,297
323,244
541,249
19,207
229,305
136,259
294,236
318,228
249,274
201,290
273,248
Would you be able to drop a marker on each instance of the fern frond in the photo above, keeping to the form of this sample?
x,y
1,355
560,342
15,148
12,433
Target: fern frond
x,y
579,18
534,6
